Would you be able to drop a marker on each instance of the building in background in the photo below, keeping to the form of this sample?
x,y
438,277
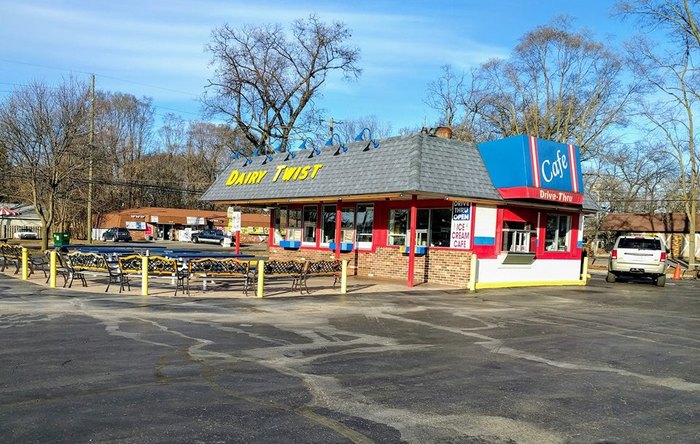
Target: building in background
x,y
18,217
673,227
177,224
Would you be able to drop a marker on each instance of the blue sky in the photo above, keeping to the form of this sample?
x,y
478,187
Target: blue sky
x,y
156,48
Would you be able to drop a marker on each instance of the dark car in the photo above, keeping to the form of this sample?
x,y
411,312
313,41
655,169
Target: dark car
x,y
209,236
116,234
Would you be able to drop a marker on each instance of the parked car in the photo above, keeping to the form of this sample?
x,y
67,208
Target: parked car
x,y
116,234
25,234
209,236
638,256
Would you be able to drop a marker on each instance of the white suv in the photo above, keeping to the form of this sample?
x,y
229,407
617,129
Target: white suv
x,y
638,256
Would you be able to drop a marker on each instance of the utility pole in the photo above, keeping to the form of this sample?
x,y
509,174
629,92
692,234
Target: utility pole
x,y
90,149
331,124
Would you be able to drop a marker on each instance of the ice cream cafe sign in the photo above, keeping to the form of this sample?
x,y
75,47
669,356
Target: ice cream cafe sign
x,y
282,173
460,234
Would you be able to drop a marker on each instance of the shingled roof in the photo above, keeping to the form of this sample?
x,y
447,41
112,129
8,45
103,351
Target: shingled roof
x,y
419,164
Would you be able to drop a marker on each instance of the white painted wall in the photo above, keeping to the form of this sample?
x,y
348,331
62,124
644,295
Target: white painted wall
x,y
485,221
492,270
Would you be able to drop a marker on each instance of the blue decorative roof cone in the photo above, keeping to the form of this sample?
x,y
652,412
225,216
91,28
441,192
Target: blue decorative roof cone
x,y
237,155
315,151
371,141
329,142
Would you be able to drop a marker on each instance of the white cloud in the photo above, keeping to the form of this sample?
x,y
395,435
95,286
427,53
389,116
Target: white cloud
x,y
162,43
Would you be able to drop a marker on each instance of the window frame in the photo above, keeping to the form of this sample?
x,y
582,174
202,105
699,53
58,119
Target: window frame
x,y
391,222
309,224
424,236
364,244
556,239
321,239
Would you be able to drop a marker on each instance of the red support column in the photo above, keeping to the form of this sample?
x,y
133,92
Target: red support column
x,y
338,228
413,217
271,228
238,242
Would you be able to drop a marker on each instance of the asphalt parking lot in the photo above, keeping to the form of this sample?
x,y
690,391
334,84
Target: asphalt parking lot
x,y
603,363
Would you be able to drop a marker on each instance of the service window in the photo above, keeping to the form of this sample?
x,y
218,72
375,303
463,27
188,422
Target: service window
x,y
310,213
398,227
517,236
365,225
557,232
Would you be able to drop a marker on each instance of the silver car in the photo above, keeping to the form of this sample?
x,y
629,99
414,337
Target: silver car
x,y
638,256
25,234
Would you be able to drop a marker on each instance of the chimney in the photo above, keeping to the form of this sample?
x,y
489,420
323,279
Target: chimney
x,y
444,132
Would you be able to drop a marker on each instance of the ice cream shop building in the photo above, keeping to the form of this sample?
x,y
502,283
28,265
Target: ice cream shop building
x,y
423,208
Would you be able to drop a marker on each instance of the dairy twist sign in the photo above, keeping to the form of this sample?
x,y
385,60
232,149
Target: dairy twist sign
x,y
283,173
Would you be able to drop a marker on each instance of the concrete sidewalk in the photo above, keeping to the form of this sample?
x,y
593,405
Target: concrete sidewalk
x,y
274,287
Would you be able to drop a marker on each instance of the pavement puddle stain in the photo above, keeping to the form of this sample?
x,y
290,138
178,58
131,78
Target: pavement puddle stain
x,y
328,391
496,346
672,383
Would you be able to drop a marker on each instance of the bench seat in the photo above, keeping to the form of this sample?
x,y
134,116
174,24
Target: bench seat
x,y
226,269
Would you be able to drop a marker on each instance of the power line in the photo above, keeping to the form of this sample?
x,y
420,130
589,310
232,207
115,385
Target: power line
x,y
125,183
155,107
104,76
99,75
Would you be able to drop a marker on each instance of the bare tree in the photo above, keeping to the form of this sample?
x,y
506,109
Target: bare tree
x,y
44,131
173,133
266,79
445,95
124,128
637,178
350,128
558,84
674,80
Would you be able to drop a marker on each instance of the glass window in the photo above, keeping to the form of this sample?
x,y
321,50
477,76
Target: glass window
x,y
422,226
440,227
294,225
365,225
433,227
328,224
310,212
281,222
639,244
348,225
557,232
398,227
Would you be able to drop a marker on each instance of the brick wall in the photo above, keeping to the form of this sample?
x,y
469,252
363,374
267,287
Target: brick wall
x,y
446,267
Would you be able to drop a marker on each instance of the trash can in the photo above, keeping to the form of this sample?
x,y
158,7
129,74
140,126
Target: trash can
x,y
61,239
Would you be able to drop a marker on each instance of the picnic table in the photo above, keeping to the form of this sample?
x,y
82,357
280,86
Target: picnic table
x,y
184,256
196,254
